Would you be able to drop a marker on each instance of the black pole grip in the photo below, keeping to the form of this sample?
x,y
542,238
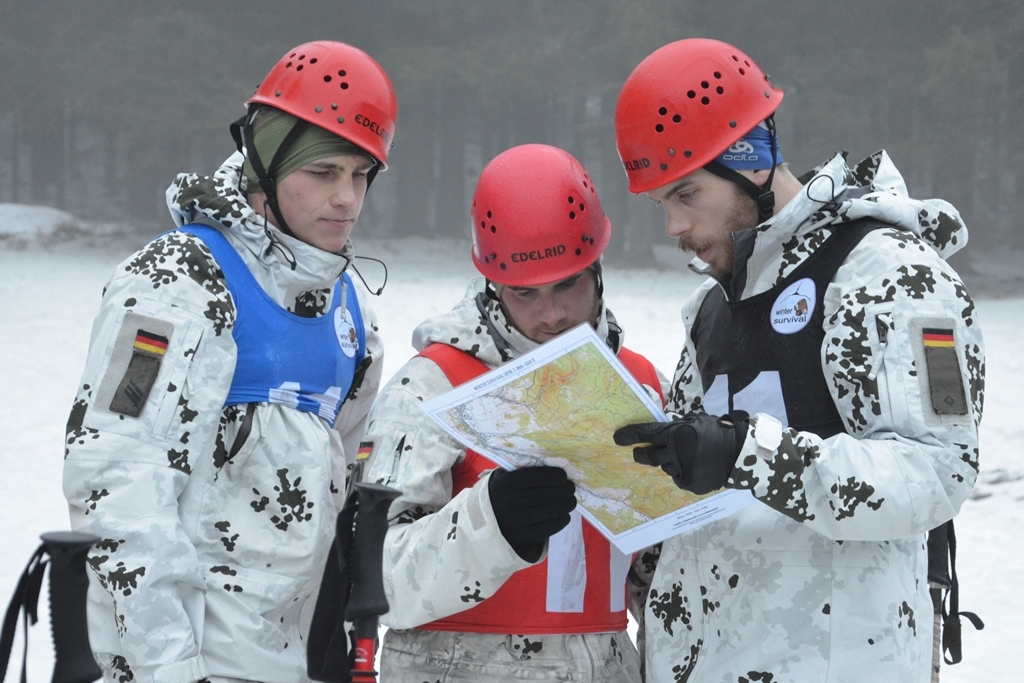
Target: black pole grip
x,y
69,585
367,598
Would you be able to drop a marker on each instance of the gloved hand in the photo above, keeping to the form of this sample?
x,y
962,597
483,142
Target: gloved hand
x,y
698,451
531,504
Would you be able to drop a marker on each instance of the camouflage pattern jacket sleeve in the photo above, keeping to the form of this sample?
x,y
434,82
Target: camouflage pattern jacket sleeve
x,y
442,554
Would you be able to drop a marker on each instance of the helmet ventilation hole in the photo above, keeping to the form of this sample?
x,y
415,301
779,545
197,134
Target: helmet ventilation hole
x,y
743,72
313,60
344,85
719,90
664,167
718,74
677,118
691,94
327,78
288,65
663,111
571,200
503,266
483,225
342,73
572,215
299,67
705,100
705,85
494,229
582,207
687,154
659,128
578,251
489,214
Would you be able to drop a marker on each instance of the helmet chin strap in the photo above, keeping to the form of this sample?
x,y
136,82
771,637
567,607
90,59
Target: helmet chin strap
x,y
762,195
241,131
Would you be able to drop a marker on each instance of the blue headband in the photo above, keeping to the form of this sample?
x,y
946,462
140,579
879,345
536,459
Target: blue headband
x,y
752,152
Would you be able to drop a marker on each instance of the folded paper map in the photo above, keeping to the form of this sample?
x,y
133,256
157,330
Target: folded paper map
x,y
559,405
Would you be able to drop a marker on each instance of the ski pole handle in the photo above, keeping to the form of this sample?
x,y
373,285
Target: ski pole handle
x,y
69,585
367,600
371,524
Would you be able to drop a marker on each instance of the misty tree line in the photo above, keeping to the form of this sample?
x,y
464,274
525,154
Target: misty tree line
x,y
103,101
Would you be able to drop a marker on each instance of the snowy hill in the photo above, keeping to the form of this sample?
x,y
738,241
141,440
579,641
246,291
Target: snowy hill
x,y
50,289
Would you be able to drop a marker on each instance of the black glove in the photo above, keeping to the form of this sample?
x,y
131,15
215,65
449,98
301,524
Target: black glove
x,y
531,504
698,451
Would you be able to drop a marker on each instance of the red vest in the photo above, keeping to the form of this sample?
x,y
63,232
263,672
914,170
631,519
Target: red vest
x,y
521,604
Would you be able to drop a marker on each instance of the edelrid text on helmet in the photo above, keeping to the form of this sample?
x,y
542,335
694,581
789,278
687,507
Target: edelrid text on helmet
x,y
684,105
337,87
536,217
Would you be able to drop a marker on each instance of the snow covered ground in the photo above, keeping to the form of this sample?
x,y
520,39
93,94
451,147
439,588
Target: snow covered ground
x,y
49,295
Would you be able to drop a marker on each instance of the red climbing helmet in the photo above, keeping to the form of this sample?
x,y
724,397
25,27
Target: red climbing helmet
x,y
684,105
536,217
337,87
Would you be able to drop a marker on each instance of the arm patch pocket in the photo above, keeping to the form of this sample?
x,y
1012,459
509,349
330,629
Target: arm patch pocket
x,y
134,366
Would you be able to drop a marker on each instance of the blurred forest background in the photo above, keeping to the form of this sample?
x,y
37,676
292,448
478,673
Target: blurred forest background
x,y
103,101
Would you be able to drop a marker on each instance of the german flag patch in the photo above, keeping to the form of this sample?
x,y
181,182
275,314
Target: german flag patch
x,y
365,448
150,343
945,381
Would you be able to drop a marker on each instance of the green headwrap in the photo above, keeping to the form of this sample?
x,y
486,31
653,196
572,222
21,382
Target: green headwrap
x,y
269,130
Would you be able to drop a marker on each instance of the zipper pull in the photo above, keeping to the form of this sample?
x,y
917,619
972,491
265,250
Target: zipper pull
x,y
883,323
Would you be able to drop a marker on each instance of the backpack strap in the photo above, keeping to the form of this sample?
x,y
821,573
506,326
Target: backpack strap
x,y
458,366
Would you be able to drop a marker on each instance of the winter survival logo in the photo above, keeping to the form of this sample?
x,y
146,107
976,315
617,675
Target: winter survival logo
x,y
794,307
348,340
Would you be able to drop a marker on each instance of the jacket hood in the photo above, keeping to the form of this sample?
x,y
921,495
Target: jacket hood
x,y
874,188
219,201
832,194
477,325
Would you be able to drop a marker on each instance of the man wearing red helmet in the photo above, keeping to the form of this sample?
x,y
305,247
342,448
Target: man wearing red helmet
x,y
490,575
833,367
230,371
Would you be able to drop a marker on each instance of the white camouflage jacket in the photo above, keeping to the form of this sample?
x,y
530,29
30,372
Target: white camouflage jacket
x,y
216,524
823,577
443,554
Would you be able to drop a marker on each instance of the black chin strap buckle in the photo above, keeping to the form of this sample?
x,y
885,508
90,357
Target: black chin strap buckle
x,y
765,206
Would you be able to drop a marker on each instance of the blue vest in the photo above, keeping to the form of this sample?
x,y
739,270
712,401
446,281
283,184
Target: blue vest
x,y
304,363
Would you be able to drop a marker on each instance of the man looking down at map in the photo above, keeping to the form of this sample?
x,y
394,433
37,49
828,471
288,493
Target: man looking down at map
x,y
833,320
490,575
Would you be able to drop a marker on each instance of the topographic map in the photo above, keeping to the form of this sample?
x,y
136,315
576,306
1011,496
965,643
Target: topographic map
x,y
559,405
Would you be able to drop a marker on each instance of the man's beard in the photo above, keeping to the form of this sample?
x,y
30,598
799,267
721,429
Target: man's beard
x,y
743,216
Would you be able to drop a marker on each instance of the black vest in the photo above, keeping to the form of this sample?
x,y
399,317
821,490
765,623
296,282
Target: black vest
x,y
742,341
